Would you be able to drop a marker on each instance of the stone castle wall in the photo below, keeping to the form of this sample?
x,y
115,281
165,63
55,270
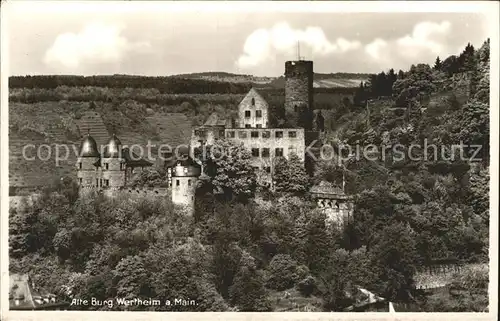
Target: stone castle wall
x,y
298,85
291,140
207,134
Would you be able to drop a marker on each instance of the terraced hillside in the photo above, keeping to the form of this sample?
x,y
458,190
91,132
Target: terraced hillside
x,y
336,83
32,171
173,128
334,80
92,123
61,126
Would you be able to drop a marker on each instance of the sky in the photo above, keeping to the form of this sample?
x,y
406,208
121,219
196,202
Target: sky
x,y
166,42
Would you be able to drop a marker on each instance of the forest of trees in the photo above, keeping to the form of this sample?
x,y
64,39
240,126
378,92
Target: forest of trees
x,y
175,85
383,83
245,245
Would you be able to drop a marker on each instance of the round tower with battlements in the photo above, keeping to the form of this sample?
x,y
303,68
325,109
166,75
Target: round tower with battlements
x,y
299,91
184,176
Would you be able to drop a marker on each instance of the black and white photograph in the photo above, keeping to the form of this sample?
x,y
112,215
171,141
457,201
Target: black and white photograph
x,y
187,157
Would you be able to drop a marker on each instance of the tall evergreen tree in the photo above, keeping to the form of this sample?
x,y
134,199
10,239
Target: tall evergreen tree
x,y
437,64
391,79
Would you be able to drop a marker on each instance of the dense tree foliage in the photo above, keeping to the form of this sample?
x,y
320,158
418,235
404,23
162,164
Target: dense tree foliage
x,y
290,175
176,85
251,250
228,170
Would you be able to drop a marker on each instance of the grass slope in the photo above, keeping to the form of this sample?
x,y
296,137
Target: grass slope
x,y
333,80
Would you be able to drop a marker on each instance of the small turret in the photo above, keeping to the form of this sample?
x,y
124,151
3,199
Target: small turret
x,y
184,176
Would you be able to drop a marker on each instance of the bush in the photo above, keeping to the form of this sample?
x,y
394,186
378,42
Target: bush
x,y
282,272
307,286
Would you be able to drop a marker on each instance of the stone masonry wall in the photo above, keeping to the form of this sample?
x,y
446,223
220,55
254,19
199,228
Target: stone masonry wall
x,y
267,138
298,85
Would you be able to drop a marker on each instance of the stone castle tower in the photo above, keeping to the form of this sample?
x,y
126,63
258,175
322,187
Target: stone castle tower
x,y
96,170
87,161
113,164
110,170
299,91
182,180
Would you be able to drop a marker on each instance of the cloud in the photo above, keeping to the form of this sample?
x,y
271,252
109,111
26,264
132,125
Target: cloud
x,y
374,48
96,43
427,40
262,44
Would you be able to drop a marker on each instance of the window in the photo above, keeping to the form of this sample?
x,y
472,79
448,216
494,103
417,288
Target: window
x,y
258,113
177,182
106,181
292,150
248,126
253,101
279,134
100,182
80,180
221,133
258,125
189,182
242,134
80,165
254,134
295,108
247,113
97,182
266,134
292,134
230,134
199,133
278,152
267,169
265,152
106,166
255,152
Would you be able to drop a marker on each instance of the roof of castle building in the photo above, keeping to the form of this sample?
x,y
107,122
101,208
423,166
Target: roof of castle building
x,y
255,92
132,159
112,148
215,120
24,295
89,147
